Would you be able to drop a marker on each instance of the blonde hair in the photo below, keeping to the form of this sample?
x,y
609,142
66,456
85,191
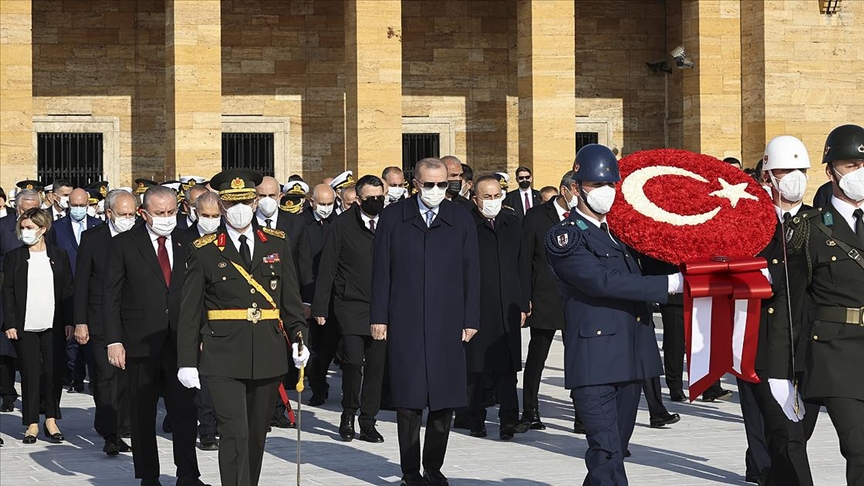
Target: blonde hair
x,y
38,216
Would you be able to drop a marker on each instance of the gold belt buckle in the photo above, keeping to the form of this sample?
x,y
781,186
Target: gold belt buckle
x,y
253,315
855,316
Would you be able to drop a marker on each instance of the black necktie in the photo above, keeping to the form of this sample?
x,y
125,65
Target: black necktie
x,y
372,226
269,223
245,254
859,224
605,228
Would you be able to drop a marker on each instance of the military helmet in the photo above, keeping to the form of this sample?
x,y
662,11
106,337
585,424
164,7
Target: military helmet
x,y
596,163
845,142
785,152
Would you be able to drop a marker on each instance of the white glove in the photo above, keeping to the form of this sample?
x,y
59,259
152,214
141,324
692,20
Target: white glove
x,y
189,377
767,275
300,359
784,394
675,283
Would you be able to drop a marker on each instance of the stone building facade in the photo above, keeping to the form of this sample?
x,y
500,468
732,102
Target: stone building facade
x,y
339,83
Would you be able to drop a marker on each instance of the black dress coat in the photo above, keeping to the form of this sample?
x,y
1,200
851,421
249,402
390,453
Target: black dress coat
x,y
426,289
90,278
317,232
514,199
138,309
8,242
15,287
497,348
346,274
295,231
538,282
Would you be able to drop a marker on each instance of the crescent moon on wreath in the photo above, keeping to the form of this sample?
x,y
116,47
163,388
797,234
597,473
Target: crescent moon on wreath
x,y
634,194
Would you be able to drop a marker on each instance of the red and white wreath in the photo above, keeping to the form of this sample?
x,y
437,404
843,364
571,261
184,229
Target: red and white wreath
x,y
679,206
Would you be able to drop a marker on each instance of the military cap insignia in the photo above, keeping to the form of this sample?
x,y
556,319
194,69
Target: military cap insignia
x,y
861,148
827,149
204,240
237,183
29,186
272,232
140,185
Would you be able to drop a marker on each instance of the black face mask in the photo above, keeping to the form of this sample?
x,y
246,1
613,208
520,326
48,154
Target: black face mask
x,y
524,184
454,187
373,205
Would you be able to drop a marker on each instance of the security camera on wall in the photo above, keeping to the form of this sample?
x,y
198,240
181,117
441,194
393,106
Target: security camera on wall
x,y
682,60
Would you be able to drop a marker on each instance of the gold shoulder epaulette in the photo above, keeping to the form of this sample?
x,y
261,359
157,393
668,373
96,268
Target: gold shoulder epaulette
x,y
274,232
204,240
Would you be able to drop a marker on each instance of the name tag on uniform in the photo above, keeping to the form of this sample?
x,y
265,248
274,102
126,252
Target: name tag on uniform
x,y
272,258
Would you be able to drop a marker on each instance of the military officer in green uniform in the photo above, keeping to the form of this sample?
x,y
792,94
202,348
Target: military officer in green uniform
x,y
832,239
243,279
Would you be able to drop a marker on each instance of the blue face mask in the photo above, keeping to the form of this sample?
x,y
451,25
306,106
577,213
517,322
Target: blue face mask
x,y
78,212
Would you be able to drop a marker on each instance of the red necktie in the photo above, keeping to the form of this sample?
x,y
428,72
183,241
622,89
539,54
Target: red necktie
x,y
527,203
566,214
164,262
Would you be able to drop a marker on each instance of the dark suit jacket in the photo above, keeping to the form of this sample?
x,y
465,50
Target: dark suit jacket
x,y
515,201
15,287
8,240
426,288
90,276
610,333
139,309
346,274
498,347
295,230
317,231
539,283
62,234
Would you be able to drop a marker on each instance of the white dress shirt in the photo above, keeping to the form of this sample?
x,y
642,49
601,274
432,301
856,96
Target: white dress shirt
x,y
154,239
424,209
792,211
261,219
522,193
57,214
234,235
845,209
559,209
366,218
39,310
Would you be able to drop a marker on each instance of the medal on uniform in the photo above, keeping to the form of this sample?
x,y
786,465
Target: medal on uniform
x,y
273,283
563,239
222,265
272,258
831,243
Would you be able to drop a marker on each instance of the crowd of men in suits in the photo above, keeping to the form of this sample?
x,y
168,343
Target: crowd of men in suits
x,y
394,296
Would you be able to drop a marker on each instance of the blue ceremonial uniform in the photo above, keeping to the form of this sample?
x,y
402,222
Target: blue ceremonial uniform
x,y
610,345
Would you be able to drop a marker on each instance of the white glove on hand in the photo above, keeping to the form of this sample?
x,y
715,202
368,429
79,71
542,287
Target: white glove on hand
x,y
784,394
767,275
300,359
676,283
189,377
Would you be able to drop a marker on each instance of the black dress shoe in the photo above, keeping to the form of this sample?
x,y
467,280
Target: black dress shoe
x,y
166,424
123,446
29,439
370,434
190,481
478,432
413,480
111,447
677,395
281,421
461,421
346,427
150,482
435,478
124,432
56,437
1,442
533,419
209,442
627,453
668,419
721,395
578,427
8,404
317,399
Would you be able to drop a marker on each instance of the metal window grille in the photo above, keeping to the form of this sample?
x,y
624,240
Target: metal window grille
x,y
248,151
416,146
584,138
75,157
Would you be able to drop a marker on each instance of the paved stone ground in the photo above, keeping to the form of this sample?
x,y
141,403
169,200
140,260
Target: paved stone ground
x,y
705,448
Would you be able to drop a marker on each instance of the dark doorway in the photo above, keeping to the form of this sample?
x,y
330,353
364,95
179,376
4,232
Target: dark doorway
x,y
252,151
416,146
585,138
75,157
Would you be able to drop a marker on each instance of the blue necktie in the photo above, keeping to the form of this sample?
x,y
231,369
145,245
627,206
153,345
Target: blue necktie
x,y
430,215
80,230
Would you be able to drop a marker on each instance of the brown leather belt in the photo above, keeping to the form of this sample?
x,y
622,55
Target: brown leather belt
x,y
844,315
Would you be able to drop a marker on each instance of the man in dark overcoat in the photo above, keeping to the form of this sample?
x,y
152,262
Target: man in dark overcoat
x,y
426,303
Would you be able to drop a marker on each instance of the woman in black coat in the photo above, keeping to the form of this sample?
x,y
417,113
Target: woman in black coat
x,y
37,320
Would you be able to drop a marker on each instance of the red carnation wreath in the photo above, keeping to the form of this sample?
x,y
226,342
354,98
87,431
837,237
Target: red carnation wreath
x,y
679,206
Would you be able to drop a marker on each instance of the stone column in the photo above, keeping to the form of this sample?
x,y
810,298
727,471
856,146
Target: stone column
x,y
712,89
17,155
373,108
547,87
193,101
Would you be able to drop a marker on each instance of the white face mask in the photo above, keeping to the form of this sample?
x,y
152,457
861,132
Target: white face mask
x,y
573,202
100,207
267,206
239,216
394,193
491,207
193,214
91,211
432,197
163,225
852,184
29,237
78,212
63,202
324,210
792,186
123,224
600,199
209,225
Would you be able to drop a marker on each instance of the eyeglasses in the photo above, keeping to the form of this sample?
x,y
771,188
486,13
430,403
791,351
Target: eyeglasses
x,y
374,198
430,185
524,178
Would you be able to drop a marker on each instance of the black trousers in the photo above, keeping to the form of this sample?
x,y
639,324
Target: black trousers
x,y
408,422
757,458
673,345
110,393
243,409
785,439
505,389
362,375
7,377
323,342
609,415
535,362
847,415
41,358
147,376
206,414
80,360
653,397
